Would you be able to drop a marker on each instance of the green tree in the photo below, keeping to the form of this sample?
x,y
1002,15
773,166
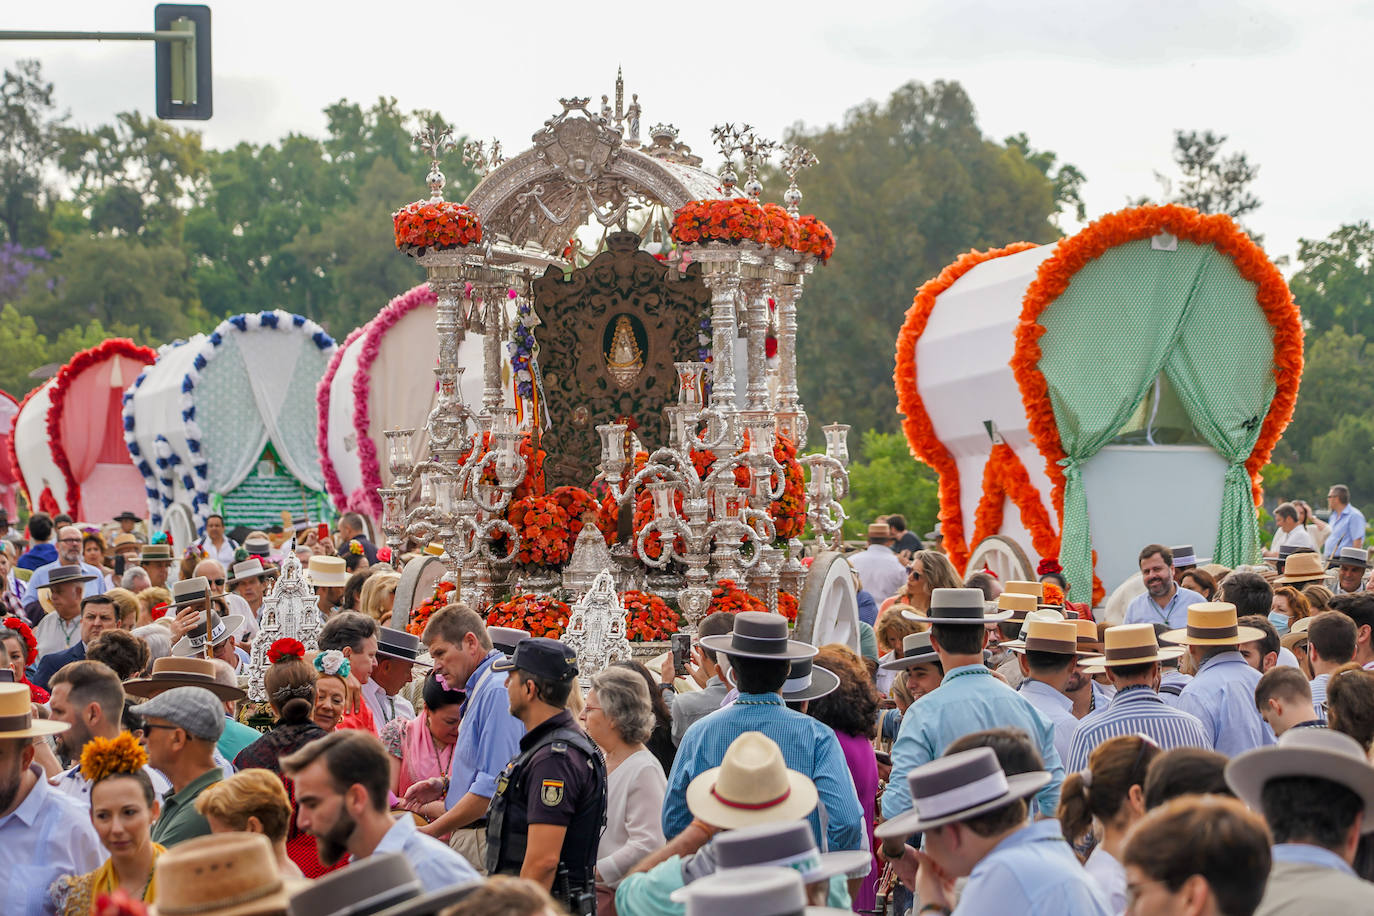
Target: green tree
x,y
1334,285
906,186
889,480
29,141
1345,455
1209,181
22,349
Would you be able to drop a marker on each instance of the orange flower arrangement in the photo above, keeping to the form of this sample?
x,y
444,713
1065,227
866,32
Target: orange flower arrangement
x,y
540,615
727,596
736,220
1053,594
920,432
419,618
577,503
648,617
787,606
533,484
789,511
545,530
608,519
779,229
815,238
436,224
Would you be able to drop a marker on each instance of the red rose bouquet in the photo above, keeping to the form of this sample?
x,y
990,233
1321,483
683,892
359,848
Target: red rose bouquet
x,y
815,238
286,647
648,616
419,618
540,615
544,528
727,596
738,219
437,224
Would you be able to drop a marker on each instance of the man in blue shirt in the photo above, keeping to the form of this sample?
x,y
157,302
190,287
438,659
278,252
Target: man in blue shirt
x,y
760,657
1347,523
969,699
1315,790
1049,655
462,652
68,554
1164,601
1222,693
972,815
40,552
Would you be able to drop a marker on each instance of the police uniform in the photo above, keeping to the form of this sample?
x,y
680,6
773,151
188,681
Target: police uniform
x,y
558,778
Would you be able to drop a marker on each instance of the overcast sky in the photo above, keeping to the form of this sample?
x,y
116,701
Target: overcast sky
x,y
1103,83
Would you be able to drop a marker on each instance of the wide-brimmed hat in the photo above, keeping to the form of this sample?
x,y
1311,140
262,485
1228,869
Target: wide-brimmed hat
x,y
1132,644
1046,615
758,634
1087,632
880,531
221,628
1310,753
192,591
751,786
1184,555
1352,556
1296,635
761,890
170,671
959,786
1058,637
220,874
1019,603
61,575
916,650
251,568
1302,567
258,546
958,606
127,516
506,638
155,553
398,644
326,572
807,681
435,902
16,715
123,541
786,843
1024,587
366,886
1212,623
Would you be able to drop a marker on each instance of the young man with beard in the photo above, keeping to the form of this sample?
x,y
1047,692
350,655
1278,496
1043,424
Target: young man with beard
x,y
342,784
88,697
98,615
1164,601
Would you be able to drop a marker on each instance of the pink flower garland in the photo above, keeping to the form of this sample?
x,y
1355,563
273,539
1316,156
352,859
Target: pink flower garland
x,y
365,498
86,359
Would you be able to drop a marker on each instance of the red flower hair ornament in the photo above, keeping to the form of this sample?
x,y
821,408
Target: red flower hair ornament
x,y
285,648
26,634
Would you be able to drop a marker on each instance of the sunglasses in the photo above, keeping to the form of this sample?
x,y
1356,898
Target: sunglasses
x,y
216,581
913,574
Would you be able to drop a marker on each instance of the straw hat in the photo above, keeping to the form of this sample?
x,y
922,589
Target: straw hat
x,y
1087,632
1212,623
880,531
1022,587
1296,635
123,542
1303,567
916,650
16,715
1059,637
155,553
957,606
326,572
1046,615
221,874
751,786
251,568
1019,603
1132,644
170,671
956,787
1312,753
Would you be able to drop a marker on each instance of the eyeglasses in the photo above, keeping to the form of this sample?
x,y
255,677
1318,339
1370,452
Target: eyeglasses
x,y
216,581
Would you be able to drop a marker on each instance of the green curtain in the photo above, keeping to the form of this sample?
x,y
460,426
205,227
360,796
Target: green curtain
x,y
1106,339
1225,380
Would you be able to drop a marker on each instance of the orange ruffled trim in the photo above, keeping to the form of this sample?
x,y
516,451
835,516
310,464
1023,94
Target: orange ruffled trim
x,y
1004,476
920,432
1135,223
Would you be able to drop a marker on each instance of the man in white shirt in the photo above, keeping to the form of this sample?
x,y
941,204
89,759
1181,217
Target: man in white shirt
x,y
68,554
879,569
214,544
88,697
61,629
397,654
1288,533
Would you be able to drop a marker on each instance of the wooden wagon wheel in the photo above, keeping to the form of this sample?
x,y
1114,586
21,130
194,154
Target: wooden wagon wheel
x,y
1003,556
829,606
418,581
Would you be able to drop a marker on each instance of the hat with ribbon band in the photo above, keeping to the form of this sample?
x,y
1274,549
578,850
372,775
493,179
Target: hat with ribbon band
x,y
1057,637
1311,753
751,786
758,634
1024,587
1352,556
1302,567
1045,615
16,715
1019,603
1212,623
221,628
957,787
916,650
807,681
1132,644
958,606
789,844
171,671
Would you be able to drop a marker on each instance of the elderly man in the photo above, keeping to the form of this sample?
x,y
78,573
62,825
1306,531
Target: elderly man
x,y
135,579
397,654
1351,565
45,835
68,554
60,629
1347,523
1164,601
881,572
88,697
213,573
98,614
181,727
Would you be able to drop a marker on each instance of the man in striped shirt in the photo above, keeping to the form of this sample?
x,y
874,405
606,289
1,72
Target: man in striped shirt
x,y
1131,658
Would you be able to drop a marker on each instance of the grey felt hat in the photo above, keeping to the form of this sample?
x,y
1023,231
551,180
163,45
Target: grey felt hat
x,y
759,635
1313,753
365,887
958,605
807,681
786,843
916,650
957,787
766,890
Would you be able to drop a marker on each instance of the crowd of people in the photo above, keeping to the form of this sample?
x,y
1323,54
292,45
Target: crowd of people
x,y
990,748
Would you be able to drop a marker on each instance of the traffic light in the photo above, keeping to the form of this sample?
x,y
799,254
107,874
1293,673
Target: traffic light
x,y
184,86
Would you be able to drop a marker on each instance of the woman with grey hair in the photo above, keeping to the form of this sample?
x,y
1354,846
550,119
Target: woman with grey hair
x,y
159,640
618,717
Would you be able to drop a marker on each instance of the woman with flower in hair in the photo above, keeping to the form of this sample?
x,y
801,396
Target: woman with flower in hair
x,y
331,688
18,650
123,808
289,683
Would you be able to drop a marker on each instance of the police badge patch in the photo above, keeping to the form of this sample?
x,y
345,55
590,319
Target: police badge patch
x,y
551,793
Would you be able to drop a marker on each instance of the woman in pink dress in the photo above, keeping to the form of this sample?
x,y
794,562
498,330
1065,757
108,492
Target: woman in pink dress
x,y
422,747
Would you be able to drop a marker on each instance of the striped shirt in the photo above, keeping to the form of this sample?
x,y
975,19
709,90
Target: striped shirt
x,y
808,746
1222,695
1172,677
1136,710
1319,695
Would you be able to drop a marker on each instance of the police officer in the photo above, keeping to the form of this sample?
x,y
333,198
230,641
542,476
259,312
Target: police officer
x,y
545,820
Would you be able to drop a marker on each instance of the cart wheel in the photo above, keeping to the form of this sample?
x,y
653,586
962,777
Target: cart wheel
x,y
180,523
417,584
1003,556
829,607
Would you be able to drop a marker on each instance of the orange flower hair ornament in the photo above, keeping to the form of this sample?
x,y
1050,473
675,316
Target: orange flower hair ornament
x,y
104,757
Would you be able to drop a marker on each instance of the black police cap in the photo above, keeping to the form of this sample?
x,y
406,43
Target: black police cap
x,y
541,657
